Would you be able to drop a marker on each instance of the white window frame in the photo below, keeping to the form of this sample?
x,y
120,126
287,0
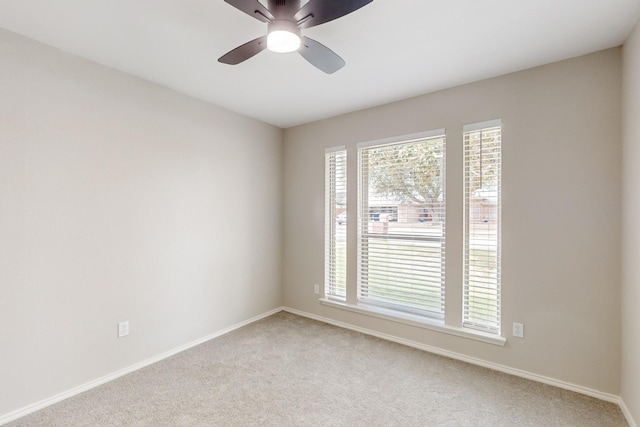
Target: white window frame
x,y
335,277
482,257
409,258
452,323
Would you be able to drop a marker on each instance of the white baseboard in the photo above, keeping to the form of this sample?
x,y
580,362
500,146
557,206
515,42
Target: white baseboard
x,y
627,414
11,416
458,356
14,415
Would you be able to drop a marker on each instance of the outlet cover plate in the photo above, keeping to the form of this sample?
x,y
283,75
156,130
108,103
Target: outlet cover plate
x,y
123,329
518,330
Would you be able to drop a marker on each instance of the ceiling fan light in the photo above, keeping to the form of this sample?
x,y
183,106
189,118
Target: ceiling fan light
x,y
284,37
283,42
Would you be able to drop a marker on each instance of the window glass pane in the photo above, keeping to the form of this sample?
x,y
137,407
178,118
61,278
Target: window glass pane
x,y
482,170
336,224
401,216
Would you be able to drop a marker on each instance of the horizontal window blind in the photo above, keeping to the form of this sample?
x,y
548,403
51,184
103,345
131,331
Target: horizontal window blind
x,y
401,225
335,223
482,211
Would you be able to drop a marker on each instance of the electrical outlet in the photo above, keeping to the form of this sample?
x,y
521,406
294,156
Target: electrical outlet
x,y
316,289
123,329
518,330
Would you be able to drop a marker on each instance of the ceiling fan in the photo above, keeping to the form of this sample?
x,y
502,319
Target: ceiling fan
x,y
285,19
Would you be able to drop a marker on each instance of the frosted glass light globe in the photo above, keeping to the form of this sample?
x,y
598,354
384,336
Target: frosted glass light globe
x,y
284,37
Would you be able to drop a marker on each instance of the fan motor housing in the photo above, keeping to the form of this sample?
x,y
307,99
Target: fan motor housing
x,y
284,25
283,9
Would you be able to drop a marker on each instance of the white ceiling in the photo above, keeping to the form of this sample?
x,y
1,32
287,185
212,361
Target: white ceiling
x,y
394,49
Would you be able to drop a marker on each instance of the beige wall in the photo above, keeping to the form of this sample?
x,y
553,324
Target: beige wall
x,y
630,385
561,212
121,200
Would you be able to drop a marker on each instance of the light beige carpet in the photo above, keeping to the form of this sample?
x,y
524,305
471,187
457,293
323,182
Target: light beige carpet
x,y
290,371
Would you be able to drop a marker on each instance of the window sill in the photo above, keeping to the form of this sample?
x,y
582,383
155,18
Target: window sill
x,y
413,320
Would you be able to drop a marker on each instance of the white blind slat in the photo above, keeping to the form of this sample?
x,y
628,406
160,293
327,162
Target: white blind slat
x,y
335,222
401,214
482,209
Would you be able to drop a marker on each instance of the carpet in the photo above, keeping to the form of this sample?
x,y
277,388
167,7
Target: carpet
x,y
287,370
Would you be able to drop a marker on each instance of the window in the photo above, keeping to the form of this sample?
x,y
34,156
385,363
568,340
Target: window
x,y
336,223
399,242
401,225
482,163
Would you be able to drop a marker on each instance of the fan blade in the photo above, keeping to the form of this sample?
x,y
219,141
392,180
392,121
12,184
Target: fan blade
x,y
318,12
320,56
244,52
252,8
